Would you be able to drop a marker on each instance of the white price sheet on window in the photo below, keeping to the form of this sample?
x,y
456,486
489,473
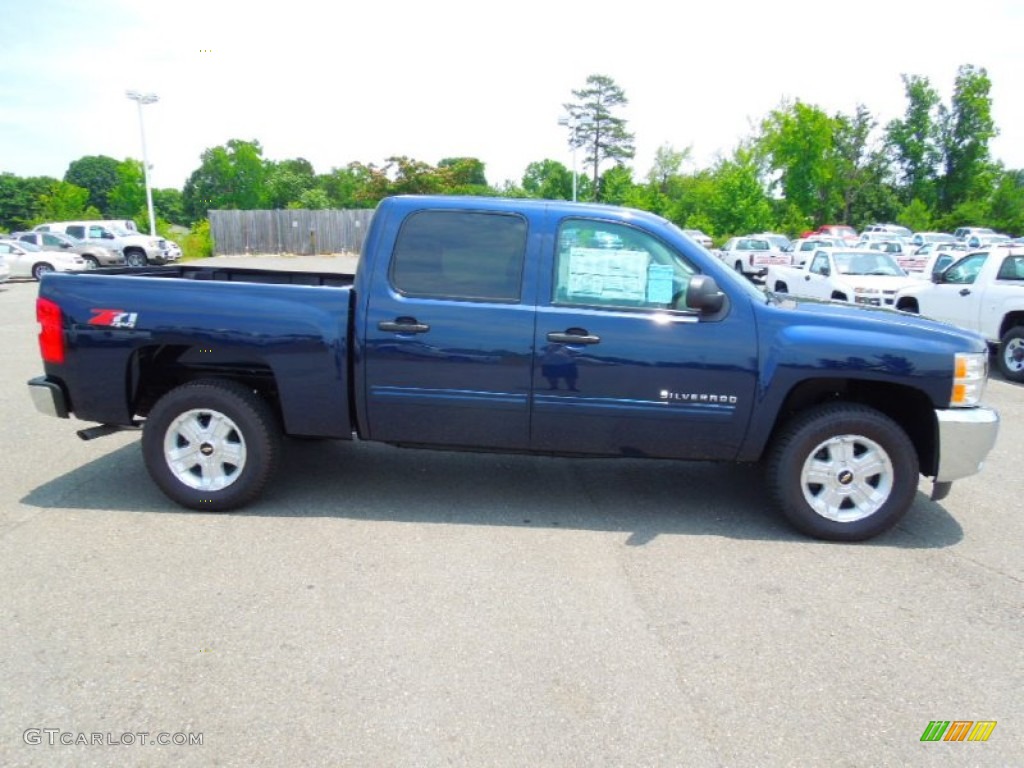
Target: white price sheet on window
x,y
608,274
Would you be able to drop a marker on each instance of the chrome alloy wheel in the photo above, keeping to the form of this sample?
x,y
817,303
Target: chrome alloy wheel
x,y
1013,355
204,449
847,478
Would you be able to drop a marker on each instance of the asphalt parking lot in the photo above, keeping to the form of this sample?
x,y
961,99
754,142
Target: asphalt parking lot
x,y
381,607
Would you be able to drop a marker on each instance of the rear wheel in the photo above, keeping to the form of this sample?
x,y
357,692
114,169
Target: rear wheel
x,y
211,445
738,266
843,472
1011,354
40,269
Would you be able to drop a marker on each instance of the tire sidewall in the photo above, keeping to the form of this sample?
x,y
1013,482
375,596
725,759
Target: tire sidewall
x,y
253,421
1016,332
802,436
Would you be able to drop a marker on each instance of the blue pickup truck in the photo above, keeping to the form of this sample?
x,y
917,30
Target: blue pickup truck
x,y
528,326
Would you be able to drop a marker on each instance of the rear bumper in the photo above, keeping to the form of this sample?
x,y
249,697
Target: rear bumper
x,y
965,438
48,397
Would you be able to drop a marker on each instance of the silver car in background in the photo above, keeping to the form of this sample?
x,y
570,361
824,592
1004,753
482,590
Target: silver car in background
x,y
96,254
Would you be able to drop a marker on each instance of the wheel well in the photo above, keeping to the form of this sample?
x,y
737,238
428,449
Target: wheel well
x,y
1012,320
907,304
155,371
781,286
836,295
908,407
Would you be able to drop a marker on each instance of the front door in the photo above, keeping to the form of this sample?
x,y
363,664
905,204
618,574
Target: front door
x,y
623,368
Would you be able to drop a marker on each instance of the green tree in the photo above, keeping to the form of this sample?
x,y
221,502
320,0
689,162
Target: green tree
x,y
20,200
617,187
548,180
127,200
914,141
96,173
597,128
668,163
229,176
1007,208
967,128
63,202
286,181
168,202
463,173
739,203
799,143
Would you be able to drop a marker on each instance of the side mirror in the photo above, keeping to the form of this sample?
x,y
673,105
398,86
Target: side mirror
x,y
704,295
108,236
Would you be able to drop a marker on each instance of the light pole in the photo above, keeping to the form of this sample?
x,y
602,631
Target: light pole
x,y
140,99
573,122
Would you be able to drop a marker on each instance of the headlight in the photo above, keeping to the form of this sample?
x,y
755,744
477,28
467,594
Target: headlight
x,y
970,372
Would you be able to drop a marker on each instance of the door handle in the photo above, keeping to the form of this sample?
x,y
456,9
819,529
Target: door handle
x,y
403,325
581,337
965,291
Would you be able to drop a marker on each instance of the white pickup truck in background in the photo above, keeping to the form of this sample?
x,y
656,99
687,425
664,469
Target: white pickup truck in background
x,y
983,292
859,276
752,256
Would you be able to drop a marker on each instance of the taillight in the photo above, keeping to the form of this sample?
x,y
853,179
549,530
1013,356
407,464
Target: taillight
x,y
51,333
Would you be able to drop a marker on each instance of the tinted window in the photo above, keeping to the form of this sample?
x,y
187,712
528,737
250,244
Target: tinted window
x,y
966,270
611,265
1012,268
460,255
75,230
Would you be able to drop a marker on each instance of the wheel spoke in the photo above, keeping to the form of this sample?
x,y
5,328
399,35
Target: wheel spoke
x,y
870,464
819,473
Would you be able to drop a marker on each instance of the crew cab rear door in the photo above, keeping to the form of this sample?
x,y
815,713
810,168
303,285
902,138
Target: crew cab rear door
x,y
449,333
619,370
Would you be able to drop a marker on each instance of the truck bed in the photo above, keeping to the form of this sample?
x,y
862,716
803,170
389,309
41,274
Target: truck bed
x,y
236,274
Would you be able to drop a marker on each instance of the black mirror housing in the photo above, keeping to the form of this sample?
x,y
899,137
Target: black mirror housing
x,y
704,295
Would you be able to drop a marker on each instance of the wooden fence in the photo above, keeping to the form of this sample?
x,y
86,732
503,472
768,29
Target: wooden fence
x,y
308,233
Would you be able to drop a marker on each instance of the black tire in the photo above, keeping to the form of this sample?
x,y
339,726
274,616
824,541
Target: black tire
x,y
229,442
92,261
738,266
40,269
135,258
845,442
1011,354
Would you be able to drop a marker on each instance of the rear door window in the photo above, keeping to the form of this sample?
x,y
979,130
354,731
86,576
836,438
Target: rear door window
x,y
460,255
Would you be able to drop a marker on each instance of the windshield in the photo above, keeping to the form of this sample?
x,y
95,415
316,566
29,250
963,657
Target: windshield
x,y
854,263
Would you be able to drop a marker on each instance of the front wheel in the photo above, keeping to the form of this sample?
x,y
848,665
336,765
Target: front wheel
x,y
135,258
1011,354
40,269
843,472
211,445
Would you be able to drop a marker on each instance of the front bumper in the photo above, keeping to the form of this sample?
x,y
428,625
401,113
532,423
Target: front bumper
x,y
966,435
48,397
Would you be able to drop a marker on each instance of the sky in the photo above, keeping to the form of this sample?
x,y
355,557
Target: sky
x,y
343,82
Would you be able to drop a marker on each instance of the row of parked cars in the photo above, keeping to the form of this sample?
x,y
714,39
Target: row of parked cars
x,y
74,246
972,278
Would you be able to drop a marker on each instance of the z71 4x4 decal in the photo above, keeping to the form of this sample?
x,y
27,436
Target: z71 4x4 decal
x,y
113,318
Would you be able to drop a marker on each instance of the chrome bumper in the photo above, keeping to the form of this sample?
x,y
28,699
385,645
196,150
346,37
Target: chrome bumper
x,y
48,397
966,435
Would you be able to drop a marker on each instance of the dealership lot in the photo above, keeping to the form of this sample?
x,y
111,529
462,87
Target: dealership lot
x,y
389,607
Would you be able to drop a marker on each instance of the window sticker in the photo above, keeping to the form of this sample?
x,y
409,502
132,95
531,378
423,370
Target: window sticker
x,y
659,284
615,275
